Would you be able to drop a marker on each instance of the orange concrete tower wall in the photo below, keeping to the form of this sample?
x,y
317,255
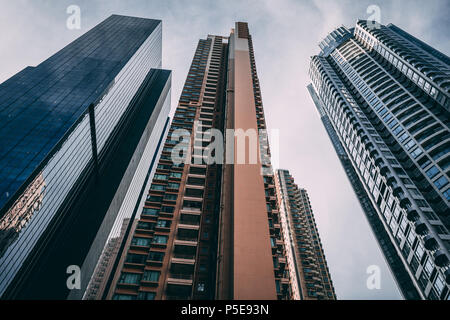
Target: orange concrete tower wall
x,y
253,275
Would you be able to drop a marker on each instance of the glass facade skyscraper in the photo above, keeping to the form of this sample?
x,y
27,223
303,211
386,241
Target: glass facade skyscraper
x,y
383,97
78,134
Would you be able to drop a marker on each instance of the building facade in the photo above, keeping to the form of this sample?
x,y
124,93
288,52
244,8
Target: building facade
x,y
78,133
209,230
383,98
309,273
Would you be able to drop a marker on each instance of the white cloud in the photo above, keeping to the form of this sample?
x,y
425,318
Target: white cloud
x,y
285,35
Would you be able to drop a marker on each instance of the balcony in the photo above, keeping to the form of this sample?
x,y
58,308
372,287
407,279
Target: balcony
x,y
421,228
314,272
194,181
441,259
192,205
187,232
182,266
185,243
321,294
315,278
430,243
196,198
188,260
180,279
191,211
412,215
202,166
318,285
189,219
188,225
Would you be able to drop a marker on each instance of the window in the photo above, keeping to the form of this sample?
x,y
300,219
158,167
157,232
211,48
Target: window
x,y
150,212
397,130
160,177
416,152
440,229
432,172
192,205
144,242
410,73
410,144
447,194
393,123
272,242
176,175
173,185
124,297
403,137
196,170
440,151
145,225
163,223
387,117
156,256
441,182
421,203
197,193
439,283
382,112
196,181
421,82
414,192
160,239
411,238
152,198
167,209
150,275
135,258
419,251
170,197
277,285
424,162
146,295
430,215
130,278
158,187
433,92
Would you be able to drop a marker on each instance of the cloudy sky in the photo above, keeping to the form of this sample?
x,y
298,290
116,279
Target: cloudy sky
x,y
285,35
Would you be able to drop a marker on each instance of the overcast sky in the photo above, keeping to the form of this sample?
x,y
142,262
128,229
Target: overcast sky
x,y
285,34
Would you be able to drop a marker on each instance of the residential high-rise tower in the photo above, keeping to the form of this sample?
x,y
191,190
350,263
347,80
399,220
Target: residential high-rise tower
x,y
210,230
309,274
383,97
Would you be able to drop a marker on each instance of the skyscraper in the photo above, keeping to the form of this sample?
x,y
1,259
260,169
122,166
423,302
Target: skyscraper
x,y
78,135
210,230
309,274
383,97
